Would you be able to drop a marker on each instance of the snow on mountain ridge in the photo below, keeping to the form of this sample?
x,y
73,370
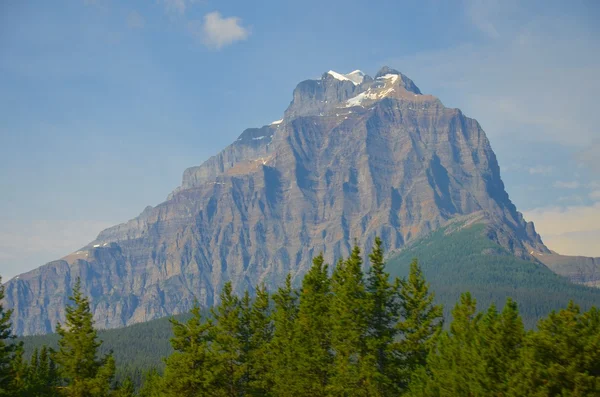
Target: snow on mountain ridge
x,y
356,77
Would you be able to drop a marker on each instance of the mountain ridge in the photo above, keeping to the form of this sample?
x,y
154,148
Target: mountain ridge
x,y
348,161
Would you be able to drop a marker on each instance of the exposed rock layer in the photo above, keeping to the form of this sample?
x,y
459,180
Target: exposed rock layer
x,y
348,162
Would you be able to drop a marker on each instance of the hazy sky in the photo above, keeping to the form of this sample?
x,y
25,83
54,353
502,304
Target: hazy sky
x,y
104,103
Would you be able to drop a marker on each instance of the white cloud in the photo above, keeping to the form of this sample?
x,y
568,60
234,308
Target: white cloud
x,y
541,170
571,230
217,32
175,6
537,81
481,13
589,156
595,195
566,184
135,20
178,7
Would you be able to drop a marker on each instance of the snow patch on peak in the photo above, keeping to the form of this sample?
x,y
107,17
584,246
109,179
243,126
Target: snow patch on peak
x,y
356,77
338,76
389,76
277,122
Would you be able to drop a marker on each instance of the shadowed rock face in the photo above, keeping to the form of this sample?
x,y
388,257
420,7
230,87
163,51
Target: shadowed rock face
x,y
348,162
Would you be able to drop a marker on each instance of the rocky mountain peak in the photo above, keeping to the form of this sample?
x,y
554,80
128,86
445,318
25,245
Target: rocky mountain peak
x,y
338,90
353,158
406,82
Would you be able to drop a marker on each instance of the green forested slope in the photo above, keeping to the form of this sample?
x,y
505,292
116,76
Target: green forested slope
x,y
136,348
453,263
466,260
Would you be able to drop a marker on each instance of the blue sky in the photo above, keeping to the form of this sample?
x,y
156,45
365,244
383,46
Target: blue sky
x,y
104,103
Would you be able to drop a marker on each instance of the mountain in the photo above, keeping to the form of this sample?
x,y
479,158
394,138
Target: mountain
x,y
353,157
454,258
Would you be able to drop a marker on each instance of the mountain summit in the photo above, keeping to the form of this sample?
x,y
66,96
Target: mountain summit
x,y
354,157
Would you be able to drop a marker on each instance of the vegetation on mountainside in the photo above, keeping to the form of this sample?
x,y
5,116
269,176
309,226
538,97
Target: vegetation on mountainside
x,y
343,332
466,260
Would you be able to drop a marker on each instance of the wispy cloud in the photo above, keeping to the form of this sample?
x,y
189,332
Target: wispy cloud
x,y
216,32
178,7
135,20
589,156
541,170
566,184
480,12
538,80
595,195
573,230
174,6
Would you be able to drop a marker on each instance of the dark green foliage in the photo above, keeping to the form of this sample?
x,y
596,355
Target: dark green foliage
x,y
383,316
420,323
260,336
313,332
85,374
39,377
350,307
136,348
562,357
341,335
8,349
188,370
282,351
466,260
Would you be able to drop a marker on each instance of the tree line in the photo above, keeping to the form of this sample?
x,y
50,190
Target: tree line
x,y
343,332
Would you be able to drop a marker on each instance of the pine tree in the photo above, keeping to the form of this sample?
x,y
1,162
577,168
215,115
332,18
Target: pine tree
x,y
8,348
500,338
86,375
283,350
383,316
126,389
562,357
261,334
38,377
454,366
153,385
314,331
421,322
351,374
19,373
190,369
228,345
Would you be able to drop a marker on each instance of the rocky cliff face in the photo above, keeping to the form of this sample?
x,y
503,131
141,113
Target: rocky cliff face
x,y
354,157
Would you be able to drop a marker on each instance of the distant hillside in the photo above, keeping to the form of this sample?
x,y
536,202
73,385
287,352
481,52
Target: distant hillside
x,y
136,348
456,260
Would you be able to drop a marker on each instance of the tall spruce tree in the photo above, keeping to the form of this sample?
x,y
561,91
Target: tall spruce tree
x,y
39,377
230,369
352,367
500,336
383,315
421,321
562,358
8,349
153,385
85,374
314,332
455,366
261,333
284,350
189,371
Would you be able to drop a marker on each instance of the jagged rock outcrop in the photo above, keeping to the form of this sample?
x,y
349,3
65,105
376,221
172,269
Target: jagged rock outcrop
x,y
354,157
